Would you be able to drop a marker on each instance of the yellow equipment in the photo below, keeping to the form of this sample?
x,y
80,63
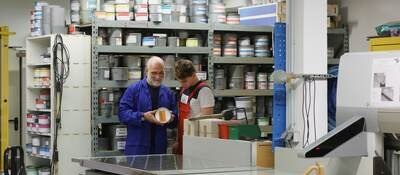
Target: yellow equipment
x,y
4,82
384,44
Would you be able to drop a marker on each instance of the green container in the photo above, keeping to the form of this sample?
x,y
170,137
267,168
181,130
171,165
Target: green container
x,y
238,131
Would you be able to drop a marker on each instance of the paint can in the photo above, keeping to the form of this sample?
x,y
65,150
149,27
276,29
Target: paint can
x,y
250,76
251,85
133,39
217,51
45,170
247,104
119,73
217,18
220,83
43,119
233,18
104,73
105,109
270,81
134,73
44,128
230,50
262,85
118,143
261,40
35,141
173,41
230,39
246,51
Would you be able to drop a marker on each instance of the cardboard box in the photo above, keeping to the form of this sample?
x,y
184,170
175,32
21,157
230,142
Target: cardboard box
x,y
263,155
263,15
333,10
190,128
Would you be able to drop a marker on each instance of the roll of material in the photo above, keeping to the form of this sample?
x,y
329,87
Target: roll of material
x,y
217,8
173,41
156,17
233,18
119,73
133,39
155,8
197,10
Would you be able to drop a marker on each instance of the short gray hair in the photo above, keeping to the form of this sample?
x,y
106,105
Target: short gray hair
x,y
154,60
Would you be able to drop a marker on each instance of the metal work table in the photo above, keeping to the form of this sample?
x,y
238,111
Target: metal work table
x,y
163,165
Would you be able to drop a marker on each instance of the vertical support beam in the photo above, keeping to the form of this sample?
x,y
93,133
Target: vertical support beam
x,y
308,55
4,83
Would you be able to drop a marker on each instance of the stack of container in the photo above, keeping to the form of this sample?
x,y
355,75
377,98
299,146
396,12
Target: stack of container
x,y
245,47
166,11
179,12
123,9
155,12
105,64
261,43
141,10
262,80
250,80
217,12
74,14
108,101
233,18
134,67
109,9
217,45
230,44
247,104
169,67
198,11
87,11
117,134
36,18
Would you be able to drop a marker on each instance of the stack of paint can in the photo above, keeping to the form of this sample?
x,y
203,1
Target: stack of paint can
x,y
141,10
220,79
217,12
87,11
250,80
38,123
166,11
41,77
262,80
40,145
105,64
262,45
245,48
230,44
109,9
123,10
117,135
236,81
36,18
232,18
43,100
108,102
179,12
198,11
133,63
155,12
169,67
74,14
217,40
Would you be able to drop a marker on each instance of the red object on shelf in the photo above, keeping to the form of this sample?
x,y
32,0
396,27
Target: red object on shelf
x,y
223,129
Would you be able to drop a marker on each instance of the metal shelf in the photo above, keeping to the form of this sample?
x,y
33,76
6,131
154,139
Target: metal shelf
x,y
178,26
241,28
242,92
153,50
40,156
110,119
247,60
333,61
104,153
119,24
44,87
37,65
337,31
125,84
40,134
39,110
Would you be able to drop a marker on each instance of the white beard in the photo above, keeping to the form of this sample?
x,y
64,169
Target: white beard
x,y
153,83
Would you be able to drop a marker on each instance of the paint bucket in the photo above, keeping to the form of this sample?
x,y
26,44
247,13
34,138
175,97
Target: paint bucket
x,y
118,143
106,61
261,40
119,73
246,103
262,52
34,127
230,50
220,83
44,128
233,18
250,76
230,39
134,73
105,109
217,39
104,73
43,119
173,41
246,51
105,95
30,118
132,61
133,39
262,85
115,37
251,85
244,41
236,83
262,76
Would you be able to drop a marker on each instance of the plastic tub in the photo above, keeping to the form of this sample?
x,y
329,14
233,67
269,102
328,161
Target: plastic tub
x,y
119,73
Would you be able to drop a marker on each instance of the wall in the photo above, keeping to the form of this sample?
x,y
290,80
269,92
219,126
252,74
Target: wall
x,y
16,15
364,15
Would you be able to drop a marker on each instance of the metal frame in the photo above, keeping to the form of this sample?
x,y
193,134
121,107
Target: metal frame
x,y
210,28
346,48
4,82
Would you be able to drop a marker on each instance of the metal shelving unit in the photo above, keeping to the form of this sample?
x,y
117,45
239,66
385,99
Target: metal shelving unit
x,y
150,26
333,61
345,43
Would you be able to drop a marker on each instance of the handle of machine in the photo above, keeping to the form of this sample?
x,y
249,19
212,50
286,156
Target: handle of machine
x,y
16,123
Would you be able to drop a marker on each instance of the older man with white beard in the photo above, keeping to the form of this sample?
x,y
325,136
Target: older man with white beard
x,y
146,135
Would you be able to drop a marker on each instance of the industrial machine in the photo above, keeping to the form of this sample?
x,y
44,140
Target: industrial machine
x,y
368,105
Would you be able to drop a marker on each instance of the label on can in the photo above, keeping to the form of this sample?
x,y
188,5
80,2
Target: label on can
x,y
131,39
118,41
107,74
111,97
262,85
121,145
120,132
250,85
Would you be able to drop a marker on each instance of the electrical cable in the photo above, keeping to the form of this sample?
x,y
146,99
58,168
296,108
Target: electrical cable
x,y
302,112
61,67
315,125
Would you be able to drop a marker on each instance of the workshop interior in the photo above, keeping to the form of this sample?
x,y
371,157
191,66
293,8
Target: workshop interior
x,y
222,87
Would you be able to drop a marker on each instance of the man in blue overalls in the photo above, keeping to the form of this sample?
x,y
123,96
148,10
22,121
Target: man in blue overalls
x,y
146,135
